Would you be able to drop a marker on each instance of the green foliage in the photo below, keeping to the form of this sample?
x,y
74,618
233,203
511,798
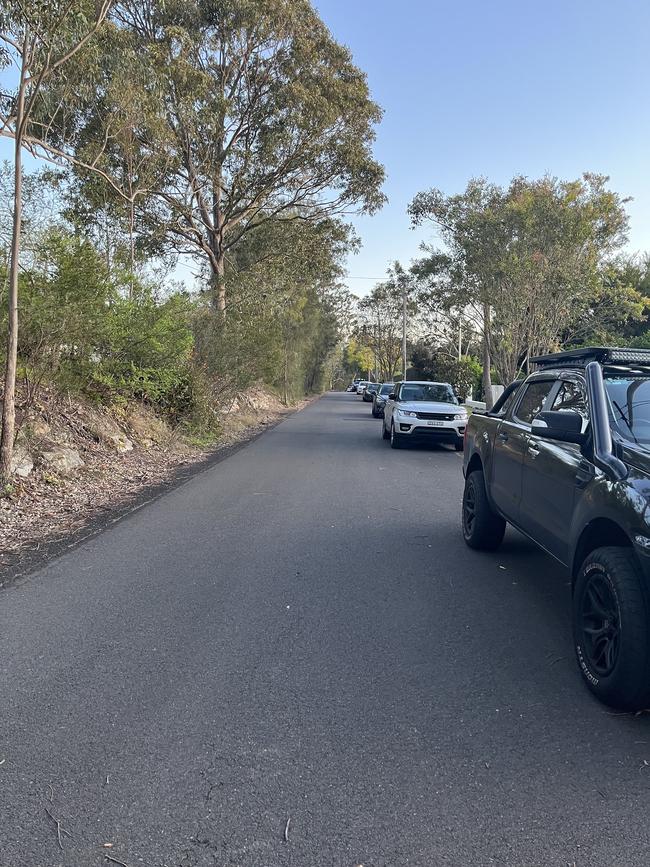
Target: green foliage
x,y
246,112
464,374
528,258
282,338
357,358
81,327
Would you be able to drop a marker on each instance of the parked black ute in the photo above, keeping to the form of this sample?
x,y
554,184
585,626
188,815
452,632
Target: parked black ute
x,y
565,458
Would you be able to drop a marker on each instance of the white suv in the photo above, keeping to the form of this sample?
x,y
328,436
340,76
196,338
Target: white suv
x,y
424,411
361,385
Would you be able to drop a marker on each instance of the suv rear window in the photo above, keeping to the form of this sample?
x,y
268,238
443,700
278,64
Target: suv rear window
x,y
533,399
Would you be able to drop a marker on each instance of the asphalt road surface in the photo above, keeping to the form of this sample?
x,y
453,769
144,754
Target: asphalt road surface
x,y
296,643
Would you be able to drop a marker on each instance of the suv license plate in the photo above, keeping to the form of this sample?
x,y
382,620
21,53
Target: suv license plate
x,y
435,423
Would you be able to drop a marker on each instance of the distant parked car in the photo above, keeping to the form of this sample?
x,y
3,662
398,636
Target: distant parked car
x,y
352,387
380,397
419,411
369,391
361,385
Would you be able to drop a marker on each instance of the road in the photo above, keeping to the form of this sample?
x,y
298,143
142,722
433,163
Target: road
x,y
299,635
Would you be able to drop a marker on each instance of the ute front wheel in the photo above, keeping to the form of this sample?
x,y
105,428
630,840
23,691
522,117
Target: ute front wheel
x,y
611,629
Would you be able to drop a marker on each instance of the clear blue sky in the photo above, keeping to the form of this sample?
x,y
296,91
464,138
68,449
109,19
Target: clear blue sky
x,y
472,87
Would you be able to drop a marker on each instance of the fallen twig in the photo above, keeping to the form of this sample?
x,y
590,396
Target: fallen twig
x,y
59,828
286,830
115,860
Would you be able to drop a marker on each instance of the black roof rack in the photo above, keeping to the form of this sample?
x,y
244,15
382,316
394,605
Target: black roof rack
x,y
605,355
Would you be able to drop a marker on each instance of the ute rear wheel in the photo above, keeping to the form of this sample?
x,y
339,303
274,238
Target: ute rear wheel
x,y
611,628
483,528
385,435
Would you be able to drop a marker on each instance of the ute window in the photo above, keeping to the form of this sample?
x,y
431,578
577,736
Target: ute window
x,y
532,400
386,388
629,404
507,400
572,397
436,392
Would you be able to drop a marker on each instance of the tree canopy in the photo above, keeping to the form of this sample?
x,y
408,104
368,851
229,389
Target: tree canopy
x,y
525,261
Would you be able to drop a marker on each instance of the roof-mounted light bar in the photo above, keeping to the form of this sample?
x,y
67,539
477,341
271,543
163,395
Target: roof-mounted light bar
x,y
602,354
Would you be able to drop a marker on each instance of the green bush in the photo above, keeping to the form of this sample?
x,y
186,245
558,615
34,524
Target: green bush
x,y
102,334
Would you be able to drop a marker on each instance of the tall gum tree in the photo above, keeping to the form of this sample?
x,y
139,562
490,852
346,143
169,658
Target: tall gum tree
x,y
38,40
265,116
525,261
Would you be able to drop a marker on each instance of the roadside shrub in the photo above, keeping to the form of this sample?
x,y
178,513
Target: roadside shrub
x,y
102,333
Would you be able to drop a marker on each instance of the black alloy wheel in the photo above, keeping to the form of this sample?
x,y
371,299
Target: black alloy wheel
x,y
600,620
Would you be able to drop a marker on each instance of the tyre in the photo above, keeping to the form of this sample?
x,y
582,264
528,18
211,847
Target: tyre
x,y
483,528
395,438
459,445
385,435
374,414
611,629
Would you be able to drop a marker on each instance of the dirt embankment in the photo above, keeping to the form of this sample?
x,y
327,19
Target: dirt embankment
x,y
77,468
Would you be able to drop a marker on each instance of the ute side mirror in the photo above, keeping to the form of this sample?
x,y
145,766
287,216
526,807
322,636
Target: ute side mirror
x,y
563,426
392,396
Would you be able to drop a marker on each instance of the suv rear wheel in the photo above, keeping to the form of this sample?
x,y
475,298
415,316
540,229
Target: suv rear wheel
x,y
611,628
483,529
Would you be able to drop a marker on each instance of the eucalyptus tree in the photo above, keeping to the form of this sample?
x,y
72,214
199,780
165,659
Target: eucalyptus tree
x,y
527,261
262,115
38,42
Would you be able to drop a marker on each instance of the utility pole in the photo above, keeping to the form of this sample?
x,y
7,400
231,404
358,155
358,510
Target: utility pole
x,y
404,328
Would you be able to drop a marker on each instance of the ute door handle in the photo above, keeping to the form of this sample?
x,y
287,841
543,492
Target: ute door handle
x,y
533,447
503,437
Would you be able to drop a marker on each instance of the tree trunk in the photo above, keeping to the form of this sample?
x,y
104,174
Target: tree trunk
x,y
219,285
219,290
286,374
487,377
131,247
9,403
